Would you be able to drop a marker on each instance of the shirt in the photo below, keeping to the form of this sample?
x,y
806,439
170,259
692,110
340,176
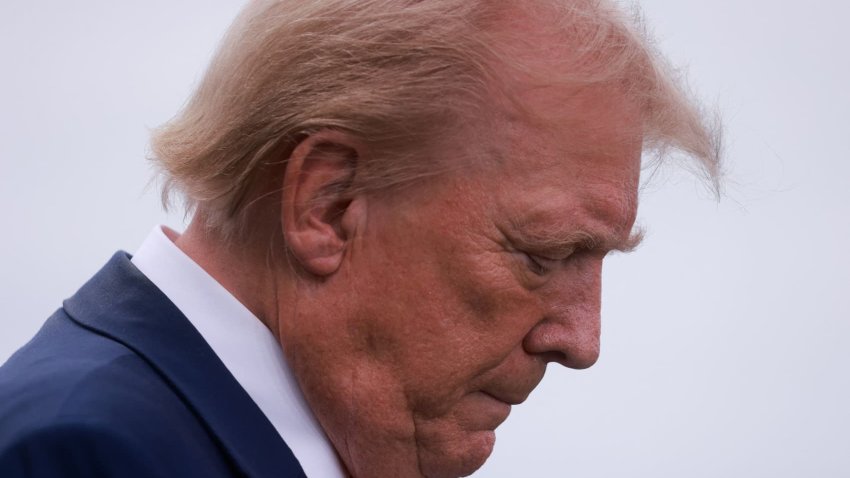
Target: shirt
x,y
245,346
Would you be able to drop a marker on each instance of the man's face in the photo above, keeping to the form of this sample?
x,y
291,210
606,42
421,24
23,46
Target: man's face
x,y
455,295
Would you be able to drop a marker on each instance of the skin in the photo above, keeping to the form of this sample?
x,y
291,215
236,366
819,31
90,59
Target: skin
x,y
413,321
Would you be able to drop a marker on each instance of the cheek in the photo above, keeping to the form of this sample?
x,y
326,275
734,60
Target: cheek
x,y
439,308
492,309
462,320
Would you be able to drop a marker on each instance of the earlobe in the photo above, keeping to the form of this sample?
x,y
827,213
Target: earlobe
x,y
316,203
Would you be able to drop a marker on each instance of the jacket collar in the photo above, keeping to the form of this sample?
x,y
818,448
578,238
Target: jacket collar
x,y
122,304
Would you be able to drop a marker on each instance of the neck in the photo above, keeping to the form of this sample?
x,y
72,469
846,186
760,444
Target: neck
x,y
241,269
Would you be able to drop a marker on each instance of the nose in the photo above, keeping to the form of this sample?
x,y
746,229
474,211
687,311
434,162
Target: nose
x,y
569,331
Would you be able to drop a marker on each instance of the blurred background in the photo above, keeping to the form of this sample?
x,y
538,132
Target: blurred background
x,y
726,340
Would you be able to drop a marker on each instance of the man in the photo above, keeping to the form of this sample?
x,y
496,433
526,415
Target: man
x,y
401,210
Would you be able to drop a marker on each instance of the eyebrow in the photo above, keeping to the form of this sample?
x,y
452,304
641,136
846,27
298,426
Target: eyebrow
x,y
563,241
632,242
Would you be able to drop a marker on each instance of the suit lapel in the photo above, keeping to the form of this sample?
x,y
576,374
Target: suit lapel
x,y
122,304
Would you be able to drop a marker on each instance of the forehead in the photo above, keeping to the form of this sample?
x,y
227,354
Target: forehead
x,y
567,67
593,132
571,157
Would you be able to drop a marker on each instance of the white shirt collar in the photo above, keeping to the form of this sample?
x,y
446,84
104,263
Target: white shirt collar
x,y
245,346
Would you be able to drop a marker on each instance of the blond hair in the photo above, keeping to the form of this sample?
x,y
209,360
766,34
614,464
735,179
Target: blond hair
x,y
399,74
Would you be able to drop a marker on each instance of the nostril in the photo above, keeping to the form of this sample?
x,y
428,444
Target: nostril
x,y
553,356
581,360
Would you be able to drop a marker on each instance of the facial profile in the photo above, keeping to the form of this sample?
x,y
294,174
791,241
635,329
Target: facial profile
x,y
459,291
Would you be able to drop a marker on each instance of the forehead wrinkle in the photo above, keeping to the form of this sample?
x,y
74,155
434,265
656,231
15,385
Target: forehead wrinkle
x,y
603,224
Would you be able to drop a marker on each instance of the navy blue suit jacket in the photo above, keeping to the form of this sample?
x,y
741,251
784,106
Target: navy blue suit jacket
x,y
118,383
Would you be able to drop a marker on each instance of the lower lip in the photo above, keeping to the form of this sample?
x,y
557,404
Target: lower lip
x,y
500,409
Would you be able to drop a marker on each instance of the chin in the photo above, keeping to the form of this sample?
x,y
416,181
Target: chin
x,y
479,453
459,442
461,460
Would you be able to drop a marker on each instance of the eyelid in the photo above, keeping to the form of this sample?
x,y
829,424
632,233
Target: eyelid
x,y
541,257
556,254
544,264
537,264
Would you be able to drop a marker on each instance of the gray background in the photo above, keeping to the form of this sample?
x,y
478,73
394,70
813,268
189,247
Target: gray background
x,y
726,337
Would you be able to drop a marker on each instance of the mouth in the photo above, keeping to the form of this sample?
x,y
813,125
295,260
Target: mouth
x,y
507,399
490,411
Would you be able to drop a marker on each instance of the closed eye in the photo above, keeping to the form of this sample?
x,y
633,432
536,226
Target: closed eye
x,y
540,265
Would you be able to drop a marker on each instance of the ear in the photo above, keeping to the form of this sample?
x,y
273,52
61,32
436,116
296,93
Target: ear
x,y
316,213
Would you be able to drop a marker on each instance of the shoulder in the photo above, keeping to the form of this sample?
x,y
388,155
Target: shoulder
x,y
72,448
75,401
67,370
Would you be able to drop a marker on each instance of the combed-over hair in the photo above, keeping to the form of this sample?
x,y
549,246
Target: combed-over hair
x,y
399,74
